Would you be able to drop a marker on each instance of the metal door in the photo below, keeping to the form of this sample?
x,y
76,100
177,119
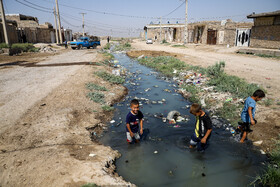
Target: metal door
x,y
211,37
242,37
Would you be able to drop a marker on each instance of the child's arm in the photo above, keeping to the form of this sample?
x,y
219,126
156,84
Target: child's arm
x,y
251,116
208,132
141,126
128,127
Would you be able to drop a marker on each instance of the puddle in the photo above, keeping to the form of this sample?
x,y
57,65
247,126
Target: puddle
x,y
225,162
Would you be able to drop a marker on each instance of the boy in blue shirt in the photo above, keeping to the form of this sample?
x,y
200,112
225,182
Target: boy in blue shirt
x,y
248,113
133,119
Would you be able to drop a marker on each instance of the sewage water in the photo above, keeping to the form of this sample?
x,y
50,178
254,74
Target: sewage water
x,y
225,162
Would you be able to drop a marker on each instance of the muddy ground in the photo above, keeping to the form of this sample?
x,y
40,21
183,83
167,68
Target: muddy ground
x,y
259,70
46,120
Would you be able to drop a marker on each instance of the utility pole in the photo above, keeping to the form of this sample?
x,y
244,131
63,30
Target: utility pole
x,y
55,22
83,23
4,22
59,24
160,31
186,24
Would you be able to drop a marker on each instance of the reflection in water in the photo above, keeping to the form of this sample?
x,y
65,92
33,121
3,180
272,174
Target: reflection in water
x,y
224,163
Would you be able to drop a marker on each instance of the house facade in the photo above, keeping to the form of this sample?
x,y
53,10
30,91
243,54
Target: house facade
x,y
266,30
223,32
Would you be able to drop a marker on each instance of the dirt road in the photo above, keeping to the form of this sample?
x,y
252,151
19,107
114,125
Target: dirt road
x,y
44,117
254,69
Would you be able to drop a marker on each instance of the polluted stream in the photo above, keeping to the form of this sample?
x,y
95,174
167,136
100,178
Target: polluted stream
x,y
162,158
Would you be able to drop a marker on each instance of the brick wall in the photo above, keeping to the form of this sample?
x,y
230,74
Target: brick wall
x,y
265,36
12,34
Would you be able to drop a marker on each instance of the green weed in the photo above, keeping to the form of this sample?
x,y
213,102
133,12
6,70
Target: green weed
x,y
271,176
228,83
163,64
96,97
110,78
90,185
24,47
164,41
267,102
193,90
179,46
108,56
3,45
92,86
107,46
107,108
122,47
230,112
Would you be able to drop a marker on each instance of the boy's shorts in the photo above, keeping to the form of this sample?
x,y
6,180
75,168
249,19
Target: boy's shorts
x,y
246,126
130,139
196,142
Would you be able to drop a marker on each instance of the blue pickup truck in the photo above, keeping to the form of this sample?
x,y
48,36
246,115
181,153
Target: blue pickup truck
x,y
85,42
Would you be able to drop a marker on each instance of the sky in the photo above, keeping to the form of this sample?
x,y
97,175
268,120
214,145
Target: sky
x,y
127,18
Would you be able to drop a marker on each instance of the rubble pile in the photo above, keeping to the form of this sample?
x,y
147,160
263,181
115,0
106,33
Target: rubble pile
x,y
46,49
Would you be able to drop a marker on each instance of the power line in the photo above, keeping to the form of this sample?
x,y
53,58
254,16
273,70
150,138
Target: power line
x,y
37,5
174,10
32,7
114,14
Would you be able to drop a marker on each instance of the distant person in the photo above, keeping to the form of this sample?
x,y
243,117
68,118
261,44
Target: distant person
x,y
65,43
203,128
133,119
108,39
248,113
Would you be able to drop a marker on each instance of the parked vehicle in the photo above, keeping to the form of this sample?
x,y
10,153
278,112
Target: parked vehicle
x,y
85,42
149,41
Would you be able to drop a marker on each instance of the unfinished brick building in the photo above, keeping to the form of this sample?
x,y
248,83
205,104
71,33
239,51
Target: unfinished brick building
x,y
266,30
11,31
206,32
29,30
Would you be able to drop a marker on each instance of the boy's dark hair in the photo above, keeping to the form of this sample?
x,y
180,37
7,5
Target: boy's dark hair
x,y
195,108
134,102
259,93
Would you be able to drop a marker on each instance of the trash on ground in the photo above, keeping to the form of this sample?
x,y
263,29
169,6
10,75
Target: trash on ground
x,y
92,155
176,126
112,121
155,152
173,115
257,143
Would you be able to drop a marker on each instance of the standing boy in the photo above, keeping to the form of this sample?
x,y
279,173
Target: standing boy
x,y
248,113
133,119
203,128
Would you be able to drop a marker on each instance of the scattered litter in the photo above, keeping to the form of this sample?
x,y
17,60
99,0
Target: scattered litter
x,y
176,126
229,100
203,174
267,78
140,57
155,152
92,155
163,100
262,152
172,121
172,115
116,61
156,86
256,143
113,121
167,90
116,72
148,89
164,120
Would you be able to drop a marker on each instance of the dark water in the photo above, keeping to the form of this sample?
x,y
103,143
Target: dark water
x,y
224,163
